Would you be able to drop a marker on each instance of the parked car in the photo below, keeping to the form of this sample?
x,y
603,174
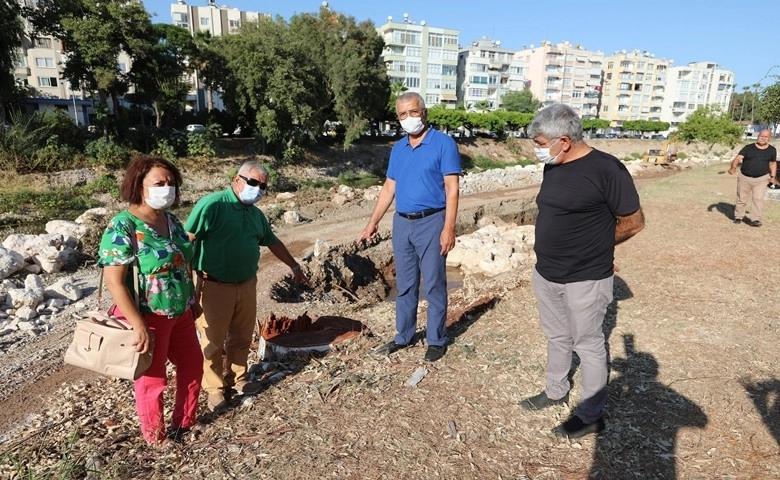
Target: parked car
x,y
195,128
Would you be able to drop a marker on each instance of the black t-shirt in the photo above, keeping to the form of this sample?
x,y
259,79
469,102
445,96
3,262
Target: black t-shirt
x,y
575,227
755,161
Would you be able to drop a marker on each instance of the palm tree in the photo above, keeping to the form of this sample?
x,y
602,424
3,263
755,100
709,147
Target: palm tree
x,y
744,101
753,107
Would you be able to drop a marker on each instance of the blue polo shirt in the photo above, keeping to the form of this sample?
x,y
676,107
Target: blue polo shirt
x,y
419,172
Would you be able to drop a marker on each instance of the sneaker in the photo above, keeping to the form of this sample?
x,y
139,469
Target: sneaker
x,y
756,223
574,427
216,401
434,353
538,402
249,388
388,348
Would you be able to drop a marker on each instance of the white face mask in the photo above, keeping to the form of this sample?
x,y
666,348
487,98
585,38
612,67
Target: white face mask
x,y
250,194
160,198
412,125
543,154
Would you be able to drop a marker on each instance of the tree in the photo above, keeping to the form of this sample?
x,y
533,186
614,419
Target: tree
x,y
522,101
769,104
93,33
711,126
11,34
396,89
595,124
157,75
446,118
644,126
482,106
291,78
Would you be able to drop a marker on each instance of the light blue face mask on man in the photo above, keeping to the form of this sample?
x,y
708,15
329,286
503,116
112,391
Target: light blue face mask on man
x,y
543,154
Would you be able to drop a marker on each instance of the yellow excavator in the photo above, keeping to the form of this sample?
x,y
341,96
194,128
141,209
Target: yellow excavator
x,y
663,156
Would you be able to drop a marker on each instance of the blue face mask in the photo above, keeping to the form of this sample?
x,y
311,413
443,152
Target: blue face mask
x,y
543,154
250,195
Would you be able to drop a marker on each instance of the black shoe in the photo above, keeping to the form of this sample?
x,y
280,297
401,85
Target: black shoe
x,y
435,353
538,402
756,223
574,427
388,348
737,221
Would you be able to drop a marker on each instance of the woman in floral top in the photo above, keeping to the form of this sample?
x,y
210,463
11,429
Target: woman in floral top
x,y
164,315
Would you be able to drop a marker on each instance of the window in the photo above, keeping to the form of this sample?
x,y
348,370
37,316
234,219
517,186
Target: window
x,y
449,55
434,83
406,37
493,80
477,79
413,52
412,82
234,25
447,84
47,81
435,40
434,68
450,40
515,70
477,92
478,67
450,70
181,19
44,62
576,94
625,86
431,99
42,42
204,21
435,53
413,67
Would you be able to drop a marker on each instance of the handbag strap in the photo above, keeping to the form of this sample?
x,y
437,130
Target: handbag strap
x,y
136,292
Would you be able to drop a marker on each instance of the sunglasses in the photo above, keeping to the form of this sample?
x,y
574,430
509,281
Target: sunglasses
x,y
254,183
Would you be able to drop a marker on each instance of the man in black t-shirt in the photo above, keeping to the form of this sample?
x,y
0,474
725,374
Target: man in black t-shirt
x,y
587,204
759,164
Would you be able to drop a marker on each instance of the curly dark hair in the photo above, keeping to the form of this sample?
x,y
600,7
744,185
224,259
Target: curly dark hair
x,y
132,185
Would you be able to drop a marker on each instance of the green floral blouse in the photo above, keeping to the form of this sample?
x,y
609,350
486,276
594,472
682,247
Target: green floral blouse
x,y
163,280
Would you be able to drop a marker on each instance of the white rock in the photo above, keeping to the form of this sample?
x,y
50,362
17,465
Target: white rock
x,y
64,289
34,282
71,232
25,313
291,217
92,214
11,262
285,196
22,297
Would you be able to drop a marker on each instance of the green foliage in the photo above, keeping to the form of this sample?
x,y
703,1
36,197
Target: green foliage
x,y
323,183
682,155
199,145
522,101
11,33
482,163
710,126
65,203
165,149
359,179
769,104
40,142
593,124
107,152
645,126
637,155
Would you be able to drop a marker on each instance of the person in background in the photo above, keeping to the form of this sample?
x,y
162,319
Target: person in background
x,y
164,317
228,231
587,204
422,177
759,164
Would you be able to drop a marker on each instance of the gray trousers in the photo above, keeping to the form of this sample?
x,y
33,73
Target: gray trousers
x,y
572,315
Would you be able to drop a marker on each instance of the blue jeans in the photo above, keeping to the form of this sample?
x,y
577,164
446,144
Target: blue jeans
x,y
417,251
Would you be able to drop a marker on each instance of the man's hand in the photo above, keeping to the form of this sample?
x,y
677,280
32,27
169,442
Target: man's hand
x,y
447,240
369,232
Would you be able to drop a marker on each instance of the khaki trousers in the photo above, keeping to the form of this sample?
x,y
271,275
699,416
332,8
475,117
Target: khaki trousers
x,y
750,188
226,328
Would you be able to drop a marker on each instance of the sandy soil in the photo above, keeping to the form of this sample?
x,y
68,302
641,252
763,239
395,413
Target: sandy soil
x,y
694,387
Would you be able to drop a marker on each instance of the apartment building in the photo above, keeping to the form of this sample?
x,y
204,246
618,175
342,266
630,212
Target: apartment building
x,y
564,73
634,87
218,21
695,85
423,58
486,72
40,61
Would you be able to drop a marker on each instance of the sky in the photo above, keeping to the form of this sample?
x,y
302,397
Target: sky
x,y
739,38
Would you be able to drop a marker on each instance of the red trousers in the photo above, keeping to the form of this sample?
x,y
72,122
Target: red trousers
x,y
175,339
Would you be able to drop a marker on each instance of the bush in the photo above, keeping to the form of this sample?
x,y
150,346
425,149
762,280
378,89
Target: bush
x,y
166,150
359,180
107,152
199,146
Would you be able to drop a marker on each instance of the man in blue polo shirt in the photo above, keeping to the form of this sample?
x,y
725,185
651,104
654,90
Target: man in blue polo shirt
x,y
423,177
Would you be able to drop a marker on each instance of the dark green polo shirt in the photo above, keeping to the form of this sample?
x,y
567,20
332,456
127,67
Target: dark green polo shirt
x,y
228,236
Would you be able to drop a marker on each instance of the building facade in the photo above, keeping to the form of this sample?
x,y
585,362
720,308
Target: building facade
x,y
695,85
564,73
486,72
634,87
218,21
422,58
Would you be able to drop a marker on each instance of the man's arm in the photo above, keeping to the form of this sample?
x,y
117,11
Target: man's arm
x,y
280,251
451,192
386,196
735,163
629,225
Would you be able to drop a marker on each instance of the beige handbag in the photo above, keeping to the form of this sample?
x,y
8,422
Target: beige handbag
x,y
103,344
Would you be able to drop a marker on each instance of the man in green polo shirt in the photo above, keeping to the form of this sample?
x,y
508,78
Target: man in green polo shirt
x,y
228,231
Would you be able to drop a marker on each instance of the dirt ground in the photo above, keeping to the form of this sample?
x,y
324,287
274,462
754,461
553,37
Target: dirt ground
x,y
694,384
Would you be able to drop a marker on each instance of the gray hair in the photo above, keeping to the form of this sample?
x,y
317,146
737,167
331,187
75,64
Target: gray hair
x,y
406,96
250,165
557,120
